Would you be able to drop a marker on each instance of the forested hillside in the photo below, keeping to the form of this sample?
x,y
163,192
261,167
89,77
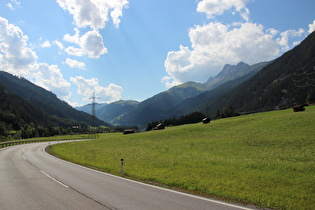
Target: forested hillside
x,y
43,99
186,98
27,110
154,108
288,81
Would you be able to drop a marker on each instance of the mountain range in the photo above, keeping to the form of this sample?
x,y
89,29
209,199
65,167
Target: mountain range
x,y
246,88
284,82
176,101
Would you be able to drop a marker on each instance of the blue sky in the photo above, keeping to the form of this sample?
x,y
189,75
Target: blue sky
x,y
134,49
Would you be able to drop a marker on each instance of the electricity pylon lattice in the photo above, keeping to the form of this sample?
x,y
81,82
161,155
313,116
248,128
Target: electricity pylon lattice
x,y
93,132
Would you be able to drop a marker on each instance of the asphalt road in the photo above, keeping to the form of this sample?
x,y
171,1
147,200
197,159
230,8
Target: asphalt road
x,y
32,179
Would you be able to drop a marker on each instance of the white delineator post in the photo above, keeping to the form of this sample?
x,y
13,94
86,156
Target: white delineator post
x,y
122,171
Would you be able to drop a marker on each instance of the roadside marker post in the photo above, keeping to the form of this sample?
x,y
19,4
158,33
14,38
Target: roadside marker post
x,y
122,171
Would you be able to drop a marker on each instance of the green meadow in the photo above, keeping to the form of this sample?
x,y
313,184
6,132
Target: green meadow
x,y
266,159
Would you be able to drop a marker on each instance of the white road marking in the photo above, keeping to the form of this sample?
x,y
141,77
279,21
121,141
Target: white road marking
x,y
23,155
66,186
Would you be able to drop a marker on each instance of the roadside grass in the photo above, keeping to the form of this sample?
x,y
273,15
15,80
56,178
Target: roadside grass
x,y
53,138
266,159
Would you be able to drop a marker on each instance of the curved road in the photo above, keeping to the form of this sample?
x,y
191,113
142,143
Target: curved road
x,y
32,179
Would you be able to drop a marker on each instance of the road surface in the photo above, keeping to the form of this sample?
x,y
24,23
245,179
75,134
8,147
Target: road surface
x,y
32,179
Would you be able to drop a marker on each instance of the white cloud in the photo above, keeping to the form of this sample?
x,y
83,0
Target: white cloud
x,y
283,41
216,44
13,47
75,64
311,27
9,5
13,4
59,45
46,44
90,44
75,51
94,13
73,39
18,59
169,82
86,87
51,78
217,7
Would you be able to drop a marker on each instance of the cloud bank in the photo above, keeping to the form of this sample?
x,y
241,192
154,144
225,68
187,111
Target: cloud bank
x,y
215,7
86,88
17,58
75,64
215,44
94,13
90,44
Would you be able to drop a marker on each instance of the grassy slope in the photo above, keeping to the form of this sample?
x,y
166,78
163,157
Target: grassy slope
x,y
265,159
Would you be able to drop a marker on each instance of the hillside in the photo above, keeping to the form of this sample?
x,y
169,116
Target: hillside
x,y
21,119
288,81
88,108
154,107
187,97
43,99
233,72
27,107
230,77
114,110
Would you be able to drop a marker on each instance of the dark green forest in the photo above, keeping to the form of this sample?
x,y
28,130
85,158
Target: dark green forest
x,y
28,111
21,119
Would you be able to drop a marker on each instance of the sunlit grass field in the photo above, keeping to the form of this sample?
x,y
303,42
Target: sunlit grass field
x,y
266,159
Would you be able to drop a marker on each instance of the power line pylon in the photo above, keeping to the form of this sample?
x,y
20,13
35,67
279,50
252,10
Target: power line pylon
x,y
93,133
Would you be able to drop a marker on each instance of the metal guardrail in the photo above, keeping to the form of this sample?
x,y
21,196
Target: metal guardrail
x,y
11,143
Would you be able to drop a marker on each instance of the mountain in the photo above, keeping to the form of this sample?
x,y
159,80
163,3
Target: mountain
x,y
287,81
154,107
110,112
183,99
230,77
277,87
88,108
15,111
232,72
43,100
113,111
